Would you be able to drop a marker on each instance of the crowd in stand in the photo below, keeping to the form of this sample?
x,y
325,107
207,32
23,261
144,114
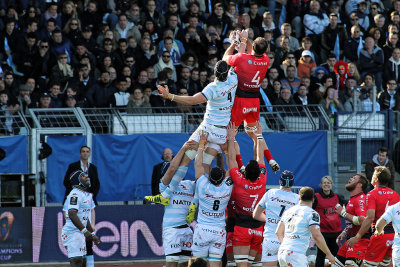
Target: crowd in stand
x,y
114,53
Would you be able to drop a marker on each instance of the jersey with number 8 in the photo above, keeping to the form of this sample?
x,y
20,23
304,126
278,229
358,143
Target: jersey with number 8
x,y
247,194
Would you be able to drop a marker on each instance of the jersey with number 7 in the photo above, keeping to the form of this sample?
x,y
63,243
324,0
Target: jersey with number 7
x,y
247,194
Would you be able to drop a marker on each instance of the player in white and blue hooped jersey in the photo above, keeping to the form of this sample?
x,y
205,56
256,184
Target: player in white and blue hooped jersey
x,y
212,195
295,229
219,96
270,209
177,235
391,215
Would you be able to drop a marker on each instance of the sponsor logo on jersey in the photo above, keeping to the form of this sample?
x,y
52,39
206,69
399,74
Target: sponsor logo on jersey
x,y
250,62
273,220
213,214
261,63
282,201
181,202
292,236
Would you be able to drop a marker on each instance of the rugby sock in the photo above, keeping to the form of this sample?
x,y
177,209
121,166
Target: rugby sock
x,y
89,261
267,155
178,177
239,160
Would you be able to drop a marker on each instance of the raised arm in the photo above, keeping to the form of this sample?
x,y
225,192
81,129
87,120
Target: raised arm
x,y
380,224
196,99
231,146
166,179
198,162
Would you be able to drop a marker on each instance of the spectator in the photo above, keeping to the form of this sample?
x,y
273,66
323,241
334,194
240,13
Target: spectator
x,y
24,98
88,39
44,101
301,96
268,37
70,102
274,93
269,25
138,103
193,42
185,81
152,14
186,6
331,103
72,30
363,15
121,97
51,12
146,54
315,21
158,103
219,18
378,36
284,102
99,94
329,65
164,62
47,31
291,82
369,80
11,85
286,30
349,105
232,13
255,18
306,44
351,45
330,223
306,64
353,72
392,67
341,69
62,71
172,24
125,29
390,45
245,23
154,32
203,79
189,60
380,159
68,12
345,94
160,169
329,36
290,60
56,97
194,10
92,17
173,49
133,15
7,122
389,98
368,102
84,81
24,58
283,50
123,50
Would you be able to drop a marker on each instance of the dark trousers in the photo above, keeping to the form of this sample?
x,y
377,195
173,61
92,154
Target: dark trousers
x,y
89,248
330,239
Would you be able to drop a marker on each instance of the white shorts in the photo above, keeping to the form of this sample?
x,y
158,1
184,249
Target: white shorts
x,y
396,256
176,240
270,247
208,240
75,243
216,135
290,258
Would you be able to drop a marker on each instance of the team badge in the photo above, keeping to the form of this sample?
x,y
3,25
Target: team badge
x,y
228,181
73,200
250,62
246,186
315,217
380,192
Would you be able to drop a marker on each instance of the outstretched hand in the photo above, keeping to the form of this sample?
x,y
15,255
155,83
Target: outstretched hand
x,y
190,145
163,91
203,136
231,131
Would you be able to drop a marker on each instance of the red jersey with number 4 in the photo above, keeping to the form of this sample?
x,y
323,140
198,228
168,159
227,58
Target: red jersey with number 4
x,y
250,70
379,199
357,207
247,194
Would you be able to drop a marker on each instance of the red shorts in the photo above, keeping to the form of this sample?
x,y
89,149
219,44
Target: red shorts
x,y
245,109
253,237
229,243
356,252
379,247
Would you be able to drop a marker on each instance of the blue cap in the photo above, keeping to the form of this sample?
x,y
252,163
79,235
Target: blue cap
x,y
286,179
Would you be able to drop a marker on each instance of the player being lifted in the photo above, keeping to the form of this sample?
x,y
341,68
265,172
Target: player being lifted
x,y
354,214
379,251
211,197
251,69
248,190
177,235
77,227
269,210
220,96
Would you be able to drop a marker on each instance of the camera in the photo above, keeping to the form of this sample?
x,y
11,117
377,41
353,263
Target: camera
x,y
192,35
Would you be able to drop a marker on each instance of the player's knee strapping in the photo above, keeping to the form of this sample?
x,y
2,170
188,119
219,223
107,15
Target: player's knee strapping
x,y
231,264
207,158
214,257
386,262
338,262
176,179
257,264
241,258
250,259
370,263
172,258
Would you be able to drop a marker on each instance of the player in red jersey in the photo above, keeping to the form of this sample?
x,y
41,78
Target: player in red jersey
x,y
251,69
354,213
379,249
247,191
